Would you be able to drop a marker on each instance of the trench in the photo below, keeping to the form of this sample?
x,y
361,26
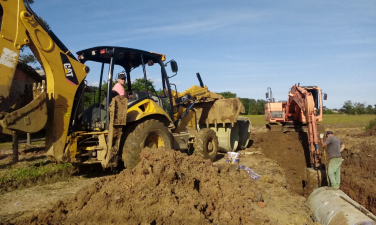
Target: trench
x,y
358,171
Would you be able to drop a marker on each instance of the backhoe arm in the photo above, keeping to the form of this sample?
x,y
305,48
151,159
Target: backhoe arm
x,y
64,74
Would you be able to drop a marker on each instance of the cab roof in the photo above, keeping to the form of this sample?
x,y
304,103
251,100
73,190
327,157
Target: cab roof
x,y
127,57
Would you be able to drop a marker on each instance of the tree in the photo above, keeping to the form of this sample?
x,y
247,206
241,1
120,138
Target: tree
x,y
227,94
257,107
327,111
139,84
348,107
359,108
246,103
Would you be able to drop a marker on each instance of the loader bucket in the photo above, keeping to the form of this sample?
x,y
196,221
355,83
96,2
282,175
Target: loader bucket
x,y
222,116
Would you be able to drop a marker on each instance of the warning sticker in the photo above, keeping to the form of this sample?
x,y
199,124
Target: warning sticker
x,y
8,58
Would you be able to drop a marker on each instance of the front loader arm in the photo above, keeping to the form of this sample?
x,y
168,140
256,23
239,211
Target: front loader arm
x,y
64,74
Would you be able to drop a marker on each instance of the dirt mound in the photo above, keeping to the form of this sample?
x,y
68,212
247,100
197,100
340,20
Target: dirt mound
x,y
167,187
370,132
291,153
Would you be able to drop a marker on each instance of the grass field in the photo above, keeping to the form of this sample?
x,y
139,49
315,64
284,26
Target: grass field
x,y
338,120
31,171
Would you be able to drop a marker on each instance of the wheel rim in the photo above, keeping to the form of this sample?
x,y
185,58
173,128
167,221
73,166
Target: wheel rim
x,y
154,141
210,146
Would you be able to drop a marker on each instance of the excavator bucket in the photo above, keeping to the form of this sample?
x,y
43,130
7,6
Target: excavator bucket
x,y
30,119
24,109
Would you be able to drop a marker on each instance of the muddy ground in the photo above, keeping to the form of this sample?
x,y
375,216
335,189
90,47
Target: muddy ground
x,y
175,188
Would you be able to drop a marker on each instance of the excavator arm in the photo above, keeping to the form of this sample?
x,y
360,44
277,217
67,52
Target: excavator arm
x,y
54,103
304,100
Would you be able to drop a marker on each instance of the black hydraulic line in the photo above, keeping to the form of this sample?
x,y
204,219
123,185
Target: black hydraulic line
x,y
109,87
77,103
164,74
100,92
185,113
61,45
145,78
100,84
199,79
129,85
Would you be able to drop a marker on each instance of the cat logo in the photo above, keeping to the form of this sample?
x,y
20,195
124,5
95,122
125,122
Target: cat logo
x,y
70,75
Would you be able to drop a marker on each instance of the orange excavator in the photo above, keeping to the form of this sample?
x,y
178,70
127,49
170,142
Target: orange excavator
x,y
300,112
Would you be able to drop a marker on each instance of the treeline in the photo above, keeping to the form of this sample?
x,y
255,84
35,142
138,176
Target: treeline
x,y
353,108
252,106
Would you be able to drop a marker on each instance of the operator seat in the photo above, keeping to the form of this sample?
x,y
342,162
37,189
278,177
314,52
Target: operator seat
x,y
137,96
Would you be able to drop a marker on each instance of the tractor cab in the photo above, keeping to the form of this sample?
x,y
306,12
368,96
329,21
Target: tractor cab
x,y
136,65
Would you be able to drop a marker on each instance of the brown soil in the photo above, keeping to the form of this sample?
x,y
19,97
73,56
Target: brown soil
x,y
358,171
173,188
370,132
22,202
287,149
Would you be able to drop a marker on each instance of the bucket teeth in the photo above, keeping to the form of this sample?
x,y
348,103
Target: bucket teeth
x,y
38,88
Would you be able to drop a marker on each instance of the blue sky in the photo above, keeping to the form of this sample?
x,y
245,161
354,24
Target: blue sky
x,y
238,46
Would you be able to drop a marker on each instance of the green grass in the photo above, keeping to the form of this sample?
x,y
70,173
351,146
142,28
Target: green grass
x,y
256,120
370,124
347,120
330,119
32,171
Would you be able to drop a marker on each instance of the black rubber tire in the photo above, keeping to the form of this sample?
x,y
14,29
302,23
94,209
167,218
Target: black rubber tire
x,y
140,138
206,144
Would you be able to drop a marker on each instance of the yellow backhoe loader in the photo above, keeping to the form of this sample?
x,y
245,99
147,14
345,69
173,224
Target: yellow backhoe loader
x,y
111,129
211,110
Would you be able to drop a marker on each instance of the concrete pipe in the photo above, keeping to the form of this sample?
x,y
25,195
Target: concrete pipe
x,y
244,132
228,137
332,207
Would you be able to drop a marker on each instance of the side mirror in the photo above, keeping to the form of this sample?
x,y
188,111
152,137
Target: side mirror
x,y
325,96
267,95
174,66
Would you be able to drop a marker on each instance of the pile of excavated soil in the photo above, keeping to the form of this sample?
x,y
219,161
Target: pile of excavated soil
x,y
370,132
169,187
291,152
